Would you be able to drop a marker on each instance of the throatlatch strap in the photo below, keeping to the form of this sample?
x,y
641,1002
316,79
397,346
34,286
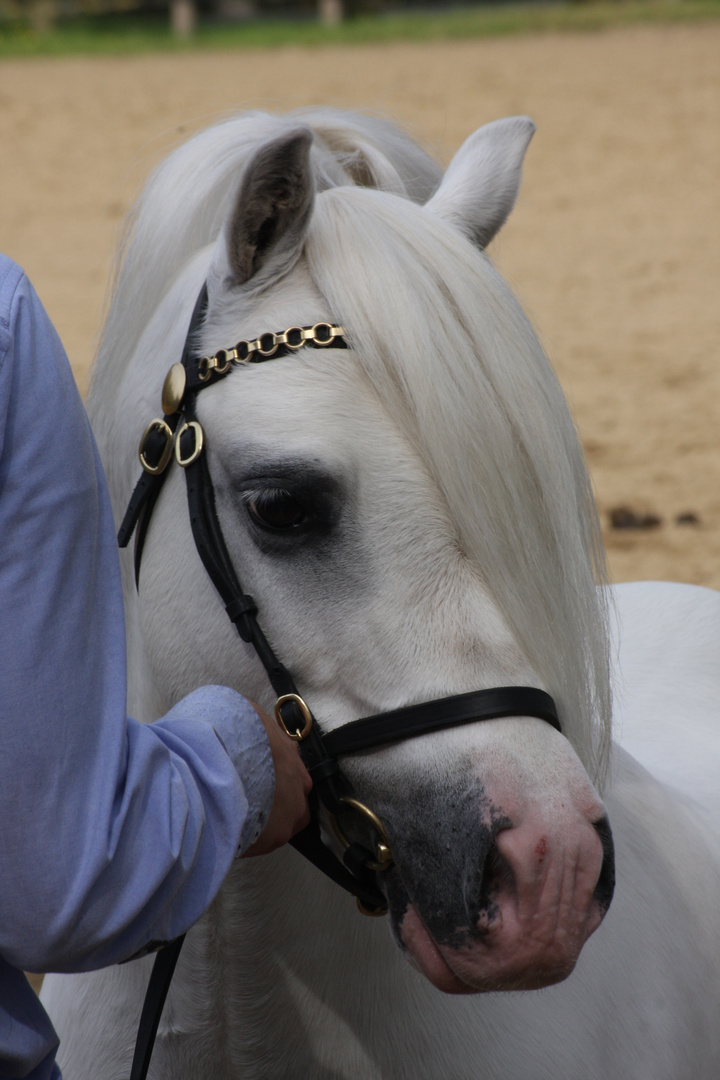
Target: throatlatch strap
x,y
493,704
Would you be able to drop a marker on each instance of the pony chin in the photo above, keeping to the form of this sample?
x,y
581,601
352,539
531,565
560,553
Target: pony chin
x,y
425,955
479,967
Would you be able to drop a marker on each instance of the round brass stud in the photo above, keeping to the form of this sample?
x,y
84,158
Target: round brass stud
x,y
173,389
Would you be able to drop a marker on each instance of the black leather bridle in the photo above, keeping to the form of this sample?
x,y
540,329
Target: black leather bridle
x,y
178,433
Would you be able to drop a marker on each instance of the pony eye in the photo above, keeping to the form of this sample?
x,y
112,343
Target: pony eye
x,y
276,508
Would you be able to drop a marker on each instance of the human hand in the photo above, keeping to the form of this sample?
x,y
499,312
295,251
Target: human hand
x,y
290,811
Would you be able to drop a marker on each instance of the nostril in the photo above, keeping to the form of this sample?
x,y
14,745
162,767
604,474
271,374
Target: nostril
x,y
606,881
496,878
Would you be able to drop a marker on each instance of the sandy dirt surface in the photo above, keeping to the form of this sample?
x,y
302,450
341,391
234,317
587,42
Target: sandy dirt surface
x,y
614,246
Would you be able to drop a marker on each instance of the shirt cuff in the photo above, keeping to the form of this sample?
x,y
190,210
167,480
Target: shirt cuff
x,y
242,734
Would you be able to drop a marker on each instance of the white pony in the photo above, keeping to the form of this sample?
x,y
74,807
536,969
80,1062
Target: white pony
x,y
414,519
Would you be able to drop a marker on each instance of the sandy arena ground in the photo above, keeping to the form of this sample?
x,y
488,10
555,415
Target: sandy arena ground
x,y
614,246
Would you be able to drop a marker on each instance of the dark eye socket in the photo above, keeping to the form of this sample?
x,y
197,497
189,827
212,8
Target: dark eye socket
x,y
275,508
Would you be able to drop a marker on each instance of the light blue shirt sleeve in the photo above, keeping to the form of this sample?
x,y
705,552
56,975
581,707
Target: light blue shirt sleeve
x,y
112,833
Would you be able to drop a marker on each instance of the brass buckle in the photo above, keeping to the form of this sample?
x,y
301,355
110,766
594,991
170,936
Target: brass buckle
x,y
198,448
383,854
298,735
166,430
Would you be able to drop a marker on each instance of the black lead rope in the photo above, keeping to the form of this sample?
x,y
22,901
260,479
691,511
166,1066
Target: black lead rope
x,y
157,991
180,433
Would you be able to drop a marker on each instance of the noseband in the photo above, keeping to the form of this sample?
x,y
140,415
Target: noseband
x,y
178,433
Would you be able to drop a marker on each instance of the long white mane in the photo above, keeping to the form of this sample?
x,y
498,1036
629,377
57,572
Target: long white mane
x,y
472,387
449,351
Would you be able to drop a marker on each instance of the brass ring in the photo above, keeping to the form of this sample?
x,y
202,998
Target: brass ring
x,y
166,430
298,735
243,351
197,451
373,912
383,854
324,326
273,348
294,330
222,365
205,366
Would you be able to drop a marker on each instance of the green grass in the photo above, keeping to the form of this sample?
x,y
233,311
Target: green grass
x,y
128,35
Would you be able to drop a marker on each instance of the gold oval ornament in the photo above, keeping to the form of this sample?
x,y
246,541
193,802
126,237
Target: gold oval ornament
x,y
173,389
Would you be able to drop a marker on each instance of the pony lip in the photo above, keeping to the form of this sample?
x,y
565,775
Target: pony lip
x,y
425,956
473,969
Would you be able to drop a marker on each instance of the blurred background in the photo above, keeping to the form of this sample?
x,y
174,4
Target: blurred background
x,y
613,248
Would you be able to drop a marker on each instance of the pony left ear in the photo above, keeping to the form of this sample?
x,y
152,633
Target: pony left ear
x,y
481,184
266,230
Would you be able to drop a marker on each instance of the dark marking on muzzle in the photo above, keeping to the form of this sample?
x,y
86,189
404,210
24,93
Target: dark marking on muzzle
x,y
441,850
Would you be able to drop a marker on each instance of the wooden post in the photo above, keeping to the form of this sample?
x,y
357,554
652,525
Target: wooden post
x,y
331,12
43,14
183,18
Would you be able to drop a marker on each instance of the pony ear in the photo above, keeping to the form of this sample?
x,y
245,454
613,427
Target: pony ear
x,y
272,209
481,184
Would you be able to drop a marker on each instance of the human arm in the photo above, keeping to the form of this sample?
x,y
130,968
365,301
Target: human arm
x,y
290,811
113,832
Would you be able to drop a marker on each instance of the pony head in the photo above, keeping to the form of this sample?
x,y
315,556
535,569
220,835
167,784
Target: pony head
x,y
412,514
